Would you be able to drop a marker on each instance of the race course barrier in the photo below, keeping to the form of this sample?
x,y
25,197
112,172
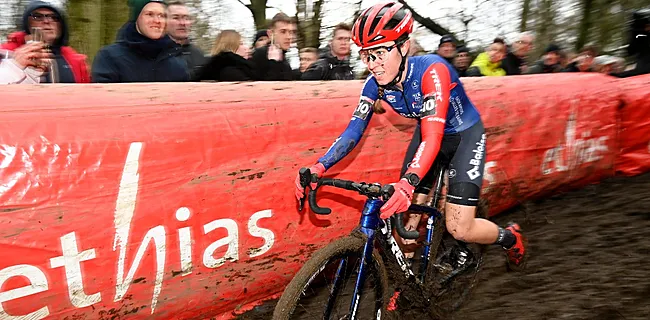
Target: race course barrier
x,y
157,201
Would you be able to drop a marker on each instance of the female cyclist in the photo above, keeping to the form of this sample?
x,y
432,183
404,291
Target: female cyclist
x,y
425,88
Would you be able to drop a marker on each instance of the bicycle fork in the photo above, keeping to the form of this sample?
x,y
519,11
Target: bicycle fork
x,y
437,194
369,223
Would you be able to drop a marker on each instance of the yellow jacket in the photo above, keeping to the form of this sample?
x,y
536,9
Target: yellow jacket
x,y
487,68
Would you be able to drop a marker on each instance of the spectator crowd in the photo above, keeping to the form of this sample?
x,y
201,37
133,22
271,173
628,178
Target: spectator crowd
x,y
154,45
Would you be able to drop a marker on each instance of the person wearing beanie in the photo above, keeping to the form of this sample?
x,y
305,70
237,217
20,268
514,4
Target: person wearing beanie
x,y
462,60
447,48
261,39
143,51
67,65
550,62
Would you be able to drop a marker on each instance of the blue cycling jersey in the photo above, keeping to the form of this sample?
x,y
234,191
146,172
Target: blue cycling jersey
x,y
461,114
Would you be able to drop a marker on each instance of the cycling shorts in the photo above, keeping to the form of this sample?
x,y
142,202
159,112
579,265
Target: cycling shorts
x,y
464,154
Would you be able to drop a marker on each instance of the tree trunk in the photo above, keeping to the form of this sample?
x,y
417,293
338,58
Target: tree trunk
x,y
85,26
309,24
114,15
524,16
258,8
585,23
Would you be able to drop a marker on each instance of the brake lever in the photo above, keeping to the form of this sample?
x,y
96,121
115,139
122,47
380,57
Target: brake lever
x,y
305,175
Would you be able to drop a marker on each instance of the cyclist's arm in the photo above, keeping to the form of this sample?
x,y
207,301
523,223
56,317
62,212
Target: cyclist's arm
x,y
352,134
436,84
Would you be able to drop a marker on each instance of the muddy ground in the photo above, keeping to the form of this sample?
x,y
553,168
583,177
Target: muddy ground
x,y
590,259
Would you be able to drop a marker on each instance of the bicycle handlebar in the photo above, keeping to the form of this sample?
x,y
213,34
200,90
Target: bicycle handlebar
x,y
370,190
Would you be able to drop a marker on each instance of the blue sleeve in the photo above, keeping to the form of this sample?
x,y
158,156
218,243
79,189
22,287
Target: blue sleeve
x,y
358,124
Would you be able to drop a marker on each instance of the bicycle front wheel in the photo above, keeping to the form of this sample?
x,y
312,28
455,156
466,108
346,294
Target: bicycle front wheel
x,y
324,286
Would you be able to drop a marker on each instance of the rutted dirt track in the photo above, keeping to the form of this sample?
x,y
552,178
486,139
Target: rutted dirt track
x,y
590,259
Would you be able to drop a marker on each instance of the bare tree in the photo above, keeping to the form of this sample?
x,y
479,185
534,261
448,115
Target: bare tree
x,y
258,9
309,20
95,23
525,11
427,22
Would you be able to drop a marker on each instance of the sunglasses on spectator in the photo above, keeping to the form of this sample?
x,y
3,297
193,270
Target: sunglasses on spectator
x,y
379,54
42,17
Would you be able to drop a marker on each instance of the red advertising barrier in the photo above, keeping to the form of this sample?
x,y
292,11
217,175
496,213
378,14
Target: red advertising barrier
x,y
176,200
634,135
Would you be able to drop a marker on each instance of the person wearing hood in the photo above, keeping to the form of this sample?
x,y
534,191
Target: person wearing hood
x,y
550,62
229,60
179,25
489,63
335,63
143,52
69,65
270,61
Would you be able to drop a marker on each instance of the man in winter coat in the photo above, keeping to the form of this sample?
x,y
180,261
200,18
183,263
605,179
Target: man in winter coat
x,y
550,62
179,25
462,60
143,52
335,63
70,66
270,61
447,48
515,62
584,61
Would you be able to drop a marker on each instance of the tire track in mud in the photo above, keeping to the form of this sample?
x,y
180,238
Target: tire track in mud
x,y
590,259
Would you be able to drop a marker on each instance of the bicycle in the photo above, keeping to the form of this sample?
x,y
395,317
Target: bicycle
x,y
348,279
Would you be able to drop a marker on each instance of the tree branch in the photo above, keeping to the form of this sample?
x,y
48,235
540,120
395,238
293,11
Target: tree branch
x,y
246,5
427,22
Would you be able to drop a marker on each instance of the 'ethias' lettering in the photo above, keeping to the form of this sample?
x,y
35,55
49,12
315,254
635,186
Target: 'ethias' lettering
x,y
574,152
69,263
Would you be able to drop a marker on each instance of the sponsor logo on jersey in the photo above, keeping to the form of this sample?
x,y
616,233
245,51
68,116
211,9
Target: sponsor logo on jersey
x,y
436,83
416,160
417,97
479,151
390,98
415,84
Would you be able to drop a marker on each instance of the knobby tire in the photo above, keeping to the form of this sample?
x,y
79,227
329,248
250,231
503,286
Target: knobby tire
x,y
320,265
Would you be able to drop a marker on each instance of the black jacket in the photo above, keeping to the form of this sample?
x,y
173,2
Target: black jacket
x,y
540,67
639,46
136,58
270,70
329,67
512,64
227,66
193,57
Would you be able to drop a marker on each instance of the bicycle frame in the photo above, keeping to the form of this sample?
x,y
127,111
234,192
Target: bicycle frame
x,y
371,222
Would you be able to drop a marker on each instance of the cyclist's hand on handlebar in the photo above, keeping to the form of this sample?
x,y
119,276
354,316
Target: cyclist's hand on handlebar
x,y
319,170
399,201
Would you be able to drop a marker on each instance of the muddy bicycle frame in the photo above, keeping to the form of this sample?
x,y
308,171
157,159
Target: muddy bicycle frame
x,y
370,223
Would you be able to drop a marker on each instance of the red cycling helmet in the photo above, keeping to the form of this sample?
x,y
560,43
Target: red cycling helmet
x,y
382,23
